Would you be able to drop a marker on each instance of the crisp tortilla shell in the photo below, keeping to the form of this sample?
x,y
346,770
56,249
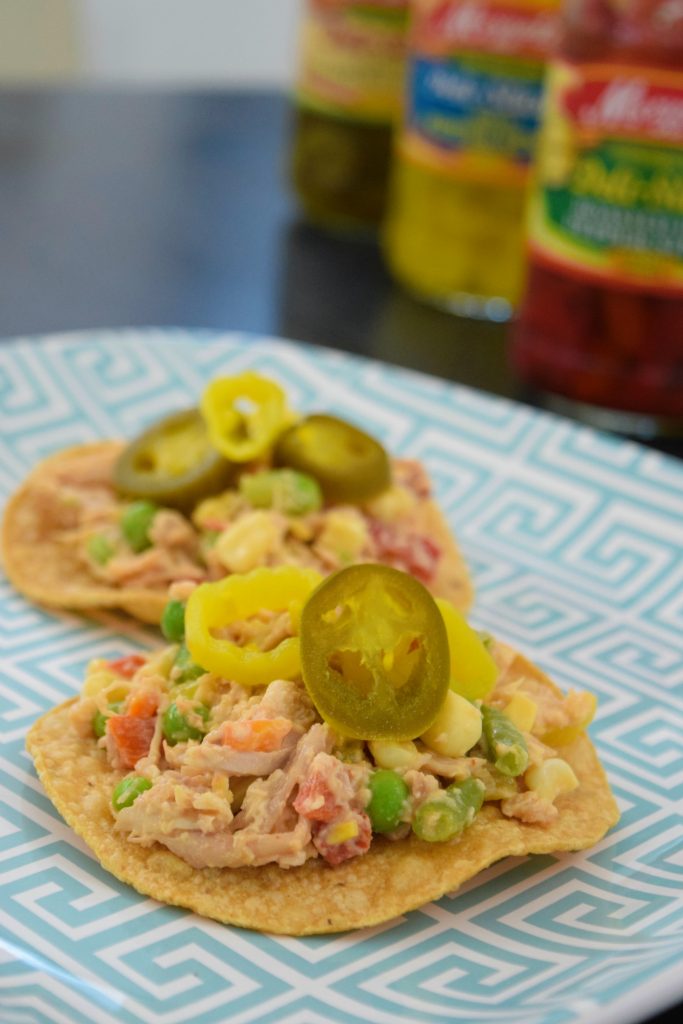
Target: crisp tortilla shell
x,y
48,569
392,879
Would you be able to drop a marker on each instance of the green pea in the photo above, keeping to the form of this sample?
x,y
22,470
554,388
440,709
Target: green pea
x,y
286,490
388,794
177,729
448,813
136,521
99,549
128,790
469,796
436,820
99,722
173,622
504,743
187,668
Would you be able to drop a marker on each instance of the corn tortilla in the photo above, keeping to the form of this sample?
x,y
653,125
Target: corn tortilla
x,y
392,879
44,566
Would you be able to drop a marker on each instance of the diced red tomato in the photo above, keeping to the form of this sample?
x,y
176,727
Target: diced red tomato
x,y
132,737
412,552
143,704
315,800
128,665
337,852
258,734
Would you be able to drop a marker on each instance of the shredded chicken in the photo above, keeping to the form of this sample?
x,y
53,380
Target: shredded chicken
x,y
530,808
176,803
286,699
421,785
538,751
266,799
212,755
85,470
265,630
171,530
154,568
457,768
180,590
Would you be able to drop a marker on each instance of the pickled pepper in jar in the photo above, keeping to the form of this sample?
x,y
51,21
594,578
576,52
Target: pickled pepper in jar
x,y
602,319
348,97
455,228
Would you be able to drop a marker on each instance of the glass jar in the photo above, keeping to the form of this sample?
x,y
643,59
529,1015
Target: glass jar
x,y
347,100
602,319
455,230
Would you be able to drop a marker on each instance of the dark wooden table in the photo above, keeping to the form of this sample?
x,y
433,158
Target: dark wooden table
x,y
128,209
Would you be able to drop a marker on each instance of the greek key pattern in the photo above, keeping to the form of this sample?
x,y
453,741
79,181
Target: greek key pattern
x,y
575,541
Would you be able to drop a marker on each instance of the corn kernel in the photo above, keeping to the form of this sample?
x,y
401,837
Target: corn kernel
x,y
219,508
97,681
342,832
116,692
392,504
521,710
388,754
456,728
551,778
344,531
246,544
159,664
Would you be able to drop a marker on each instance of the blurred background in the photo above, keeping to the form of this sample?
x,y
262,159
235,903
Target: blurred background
x,y
406,179
208,43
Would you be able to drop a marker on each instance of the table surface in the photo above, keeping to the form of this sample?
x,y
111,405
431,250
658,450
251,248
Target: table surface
x,y
128,208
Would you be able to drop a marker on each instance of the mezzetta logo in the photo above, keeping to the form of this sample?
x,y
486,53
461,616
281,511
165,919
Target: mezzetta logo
x,y
492,28
628,105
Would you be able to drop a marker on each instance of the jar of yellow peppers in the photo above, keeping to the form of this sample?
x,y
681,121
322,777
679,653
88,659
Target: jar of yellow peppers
x,y
455,231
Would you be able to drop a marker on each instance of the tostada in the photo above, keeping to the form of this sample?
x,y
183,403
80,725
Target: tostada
x,y
308,756
239,483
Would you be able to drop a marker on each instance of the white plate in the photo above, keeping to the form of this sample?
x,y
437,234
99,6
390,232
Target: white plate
x,y
575,542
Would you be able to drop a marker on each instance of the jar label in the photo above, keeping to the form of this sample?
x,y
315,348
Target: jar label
x,y
608,205
353,58
475,86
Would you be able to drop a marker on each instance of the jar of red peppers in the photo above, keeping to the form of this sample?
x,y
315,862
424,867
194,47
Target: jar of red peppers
x,y
602,319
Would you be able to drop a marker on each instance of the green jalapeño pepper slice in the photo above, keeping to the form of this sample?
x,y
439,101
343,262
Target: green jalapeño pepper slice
x,y
172,463
244,414
348,464
374,653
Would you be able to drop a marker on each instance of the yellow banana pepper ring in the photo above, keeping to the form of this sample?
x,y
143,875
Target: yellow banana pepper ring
x,y
236,598
473,670
244,414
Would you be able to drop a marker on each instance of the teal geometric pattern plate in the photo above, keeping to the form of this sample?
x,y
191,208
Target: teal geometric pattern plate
x,y
575,541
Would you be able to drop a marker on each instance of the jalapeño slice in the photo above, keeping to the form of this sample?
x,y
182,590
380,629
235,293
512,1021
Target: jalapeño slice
x,y
172,463
374,653
348,464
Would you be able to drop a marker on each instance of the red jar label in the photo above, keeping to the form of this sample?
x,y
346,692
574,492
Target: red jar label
x,y
608,203
509,28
